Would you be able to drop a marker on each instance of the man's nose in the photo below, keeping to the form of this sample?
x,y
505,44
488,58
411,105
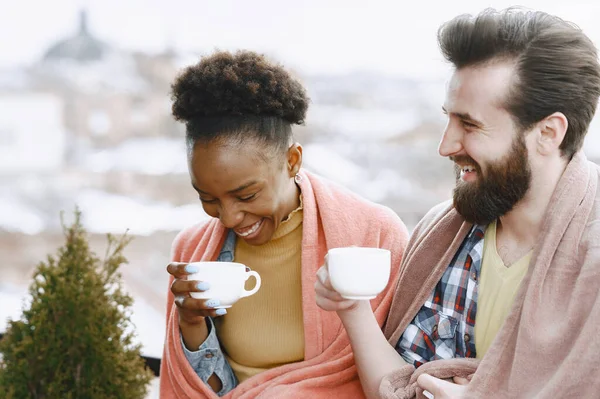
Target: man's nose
x,y
451,142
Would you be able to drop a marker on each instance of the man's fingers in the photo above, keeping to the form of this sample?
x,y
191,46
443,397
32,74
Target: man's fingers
x,y
434,385
329,305
428,394
327,298
323,276
441,389
323,291
429,383
460,380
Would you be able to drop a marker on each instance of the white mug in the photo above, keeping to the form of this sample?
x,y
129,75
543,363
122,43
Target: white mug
x,y
359,273
227,281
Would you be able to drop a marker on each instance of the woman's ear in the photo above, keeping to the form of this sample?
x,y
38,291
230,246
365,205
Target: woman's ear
x,y
294,159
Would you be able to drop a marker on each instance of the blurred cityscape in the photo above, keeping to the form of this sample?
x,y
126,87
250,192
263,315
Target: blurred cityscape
x,y
89,124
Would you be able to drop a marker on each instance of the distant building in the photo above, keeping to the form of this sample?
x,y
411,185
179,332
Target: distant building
x,y
108,95
83,47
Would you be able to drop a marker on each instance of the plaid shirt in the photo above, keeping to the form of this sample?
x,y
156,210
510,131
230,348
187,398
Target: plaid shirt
x,y
444,326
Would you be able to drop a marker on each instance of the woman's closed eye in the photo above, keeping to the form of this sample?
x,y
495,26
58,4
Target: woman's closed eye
x,y
207,201
247,197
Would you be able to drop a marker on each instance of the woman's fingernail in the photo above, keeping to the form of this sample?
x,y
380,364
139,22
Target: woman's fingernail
x,y
203,286
211,303
221,312
191,269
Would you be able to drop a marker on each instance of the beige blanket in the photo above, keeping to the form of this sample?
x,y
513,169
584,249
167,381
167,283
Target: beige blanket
x,y
549,346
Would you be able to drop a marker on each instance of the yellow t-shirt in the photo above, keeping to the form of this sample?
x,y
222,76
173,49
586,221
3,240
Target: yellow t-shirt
x,y
498,286
266,330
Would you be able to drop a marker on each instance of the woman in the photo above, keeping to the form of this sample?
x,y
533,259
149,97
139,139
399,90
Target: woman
x,y
275,218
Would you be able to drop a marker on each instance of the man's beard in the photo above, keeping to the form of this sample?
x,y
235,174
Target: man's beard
x,y
505,183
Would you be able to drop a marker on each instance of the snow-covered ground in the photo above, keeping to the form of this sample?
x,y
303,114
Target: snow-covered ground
x,y
27,143
592,139
330,161
18,217
102,213
157,156
153,389
369,123
149,326
12,299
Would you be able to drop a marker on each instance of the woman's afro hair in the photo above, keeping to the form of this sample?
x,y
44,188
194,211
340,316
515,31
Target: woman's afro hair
x,y
233,84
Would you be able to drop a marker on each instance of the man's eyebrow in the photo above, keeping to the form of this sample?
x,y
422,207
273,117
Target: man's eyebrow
x,y
464,116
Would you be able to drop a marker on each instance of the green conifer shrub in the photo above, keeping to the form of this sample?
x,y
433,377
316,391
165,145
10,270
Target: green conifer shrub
x,y
75,339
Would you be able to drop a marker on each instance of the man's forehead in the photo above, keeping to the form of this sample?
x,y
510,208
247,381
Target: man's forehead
x,y
473,87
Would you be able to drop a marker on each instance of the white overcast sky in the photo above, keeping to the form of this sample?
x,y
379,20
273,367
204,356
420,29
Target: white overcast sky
x,y
326,36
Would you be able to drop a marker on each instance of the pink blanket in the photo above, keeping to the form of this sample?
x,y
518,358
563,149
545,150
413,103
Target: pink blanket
x,y
333,217
549,346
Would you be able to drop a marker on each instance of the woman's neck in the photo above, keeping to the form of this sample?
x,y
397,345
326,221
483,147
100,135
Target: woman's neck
x,y
293,199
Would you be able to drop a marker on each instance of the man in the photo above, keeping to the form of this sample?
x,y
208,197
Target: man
x,y
506,277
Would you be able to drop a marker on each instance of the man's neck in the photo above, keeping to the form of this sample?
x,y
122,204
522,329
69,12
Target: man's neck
x,y
523,223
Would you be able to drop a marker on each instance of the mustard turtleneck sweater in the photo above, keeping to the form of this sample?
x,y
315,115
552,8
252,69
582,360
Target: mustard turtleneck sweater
x,y
266,330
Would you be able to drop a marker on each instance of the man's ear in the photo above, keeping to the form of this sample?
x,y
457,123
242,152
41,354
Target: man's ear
x,y
552,133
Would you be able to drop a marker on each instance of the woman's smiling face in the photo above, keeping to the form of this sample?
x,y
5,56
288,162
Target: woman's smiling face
x,y
248,187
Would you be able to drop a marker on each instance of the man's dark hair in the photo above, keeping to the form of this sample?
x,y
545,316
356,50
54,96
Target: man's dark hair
x,y
238,96
556,65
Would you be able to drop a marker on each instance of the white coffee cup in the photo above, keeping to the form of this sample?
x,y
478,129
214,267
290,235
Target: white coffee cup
x,y
227,282
357,272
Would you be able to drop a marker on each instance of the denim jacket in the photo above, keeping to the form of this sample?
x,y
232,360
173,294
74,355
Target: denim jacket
x,y
209,358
